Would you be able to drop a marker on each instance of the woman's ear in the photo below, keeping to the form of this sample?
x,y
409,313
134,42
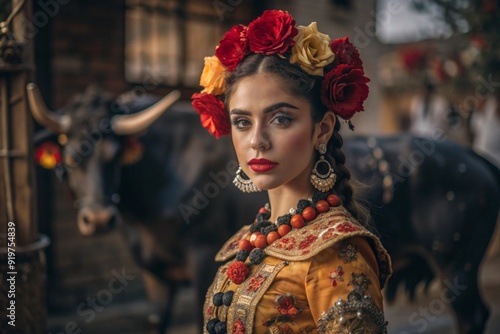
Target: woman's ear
x,y
326,127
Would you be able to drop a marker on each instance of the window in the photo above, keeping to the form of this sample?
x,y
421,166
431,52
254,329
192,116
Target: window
x,y
168,39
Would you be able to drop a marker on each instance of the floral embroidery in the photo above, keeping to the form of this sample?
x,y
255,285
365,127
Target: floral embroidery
x,y
286,305
345,227
348,252
255,283
286,243
237,272
360,282
357,314
285,329
210,310
335,275
238,327
307,241
328,234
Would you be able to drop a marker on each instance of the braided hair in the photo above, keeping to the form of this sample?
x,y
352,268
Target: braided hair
x,y
302,84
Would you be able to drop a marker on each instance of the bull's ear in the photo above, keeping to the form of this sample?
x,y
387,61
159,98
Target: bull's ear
x,y
137,122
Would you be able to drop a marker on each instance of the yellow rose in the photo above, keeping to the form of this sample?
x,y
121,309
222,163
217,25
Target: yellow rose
x,y
213,78
312,50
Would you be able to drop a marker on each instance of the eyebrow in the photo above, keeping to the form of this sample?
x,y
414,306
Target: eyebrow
x,y
269,109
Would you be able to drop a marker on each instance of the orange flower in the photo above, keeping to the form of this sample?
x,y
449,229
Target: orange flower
x,y
213,78
48,155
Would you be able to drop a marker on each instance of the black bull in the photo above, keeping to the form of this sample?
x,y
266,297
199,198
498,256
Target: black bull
x,y
434,203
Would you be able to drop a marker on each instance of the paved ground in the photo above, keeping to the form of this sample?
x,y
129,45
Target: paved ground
x,y
131,318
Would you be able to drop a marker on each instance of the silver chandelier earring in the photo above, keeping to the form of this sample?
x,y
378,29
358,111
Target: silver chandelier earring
x,y
243,183
323,181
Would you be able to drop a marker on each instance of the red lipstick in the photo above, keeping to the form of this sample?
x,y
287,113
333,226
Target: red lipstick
x,y
262,165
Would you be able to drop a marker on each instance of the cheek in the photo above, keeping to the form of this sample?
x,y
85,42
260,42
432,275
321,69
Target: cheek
x,y
238,144
298,142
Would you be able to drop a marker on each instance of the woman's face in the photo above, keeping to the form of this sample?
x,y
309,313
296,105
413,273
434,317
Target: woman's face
x,y
273,133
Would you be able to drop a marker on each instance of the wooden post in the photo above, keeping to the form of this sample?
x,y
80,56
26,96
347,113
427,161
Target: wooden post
x,y
22,259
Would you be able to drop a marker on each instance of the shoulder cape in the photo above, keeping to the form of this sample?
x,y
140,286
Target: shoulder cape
x,y
323,232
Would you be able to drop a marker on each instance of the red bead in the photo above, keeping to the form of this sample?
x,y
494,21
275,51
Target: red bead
x,y
297,221
272,237
253,237
261,241
263,210
246,245
333,200
284,229
309,213
322,206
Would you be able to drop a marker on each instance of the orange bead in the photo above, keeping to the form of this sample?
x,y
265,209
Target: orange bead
x,y
283,229
309,213
297,221
322,206
246,245
272,237
333,200
261,241
253,237
263,210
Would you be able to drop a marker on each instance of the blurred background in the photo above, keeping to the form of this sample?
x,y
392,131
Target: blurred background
x,y
434,70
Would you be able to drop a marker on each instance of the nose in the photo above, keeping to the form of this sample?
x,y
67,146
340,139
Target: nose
x,y
259,139
91,221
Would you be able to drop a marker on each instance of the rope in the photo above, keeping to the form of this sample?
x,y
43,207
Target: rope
x,y
14,12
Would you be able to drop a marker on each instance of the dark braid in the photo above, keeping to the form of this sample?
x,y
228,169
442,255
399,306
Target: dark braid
x,y
302,84
343,186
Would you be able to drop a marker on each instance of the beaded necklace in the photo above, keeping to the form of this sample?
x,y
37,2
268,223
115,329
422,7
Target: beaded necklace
x,y
263,233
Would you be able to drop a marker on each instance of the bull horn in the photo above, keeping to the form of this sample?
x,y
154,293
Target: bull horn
x,y
135,123
44,116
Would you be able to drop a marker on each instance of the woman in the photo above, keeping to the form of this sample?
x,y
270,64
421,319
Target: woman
x,y
307,263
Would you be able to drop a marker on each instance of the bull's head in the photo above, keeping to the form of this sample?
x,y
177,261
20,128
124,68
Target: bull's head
x,y
94,135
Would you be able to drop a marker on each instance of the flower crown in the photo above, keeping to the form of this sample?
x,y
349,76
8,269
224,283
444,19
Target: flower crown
x,y
344,85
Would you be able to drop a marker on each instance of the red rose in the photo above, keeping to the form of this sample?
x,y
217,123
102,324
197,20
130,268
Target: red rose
x,y
233,47
238,327
272,32
212,114
413,59
345,53
286,305
344,89
237,272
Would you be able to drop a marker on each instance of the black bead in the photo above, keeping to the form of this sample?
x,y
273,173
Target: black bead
x,y
303,203
241,255
262,216
256,255
267,229
285,219
254,227
228,298
211,325
220,328
218,298
318,196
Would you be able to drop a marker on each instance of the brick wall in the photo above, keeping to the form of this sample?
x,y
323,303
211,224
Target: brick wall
x,y
87,46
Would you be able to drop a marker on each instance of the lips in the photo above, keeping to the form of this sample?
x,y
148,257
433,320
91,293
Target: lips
x,y
261,165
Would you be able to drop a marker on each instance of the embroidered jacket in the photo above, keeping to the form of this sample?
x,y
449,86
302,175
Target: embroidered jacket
x,y
323,278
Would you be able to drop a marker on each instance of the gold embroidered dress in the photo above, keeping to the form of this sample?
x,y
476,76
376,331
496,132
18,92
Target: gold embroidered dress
x,y
323,278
